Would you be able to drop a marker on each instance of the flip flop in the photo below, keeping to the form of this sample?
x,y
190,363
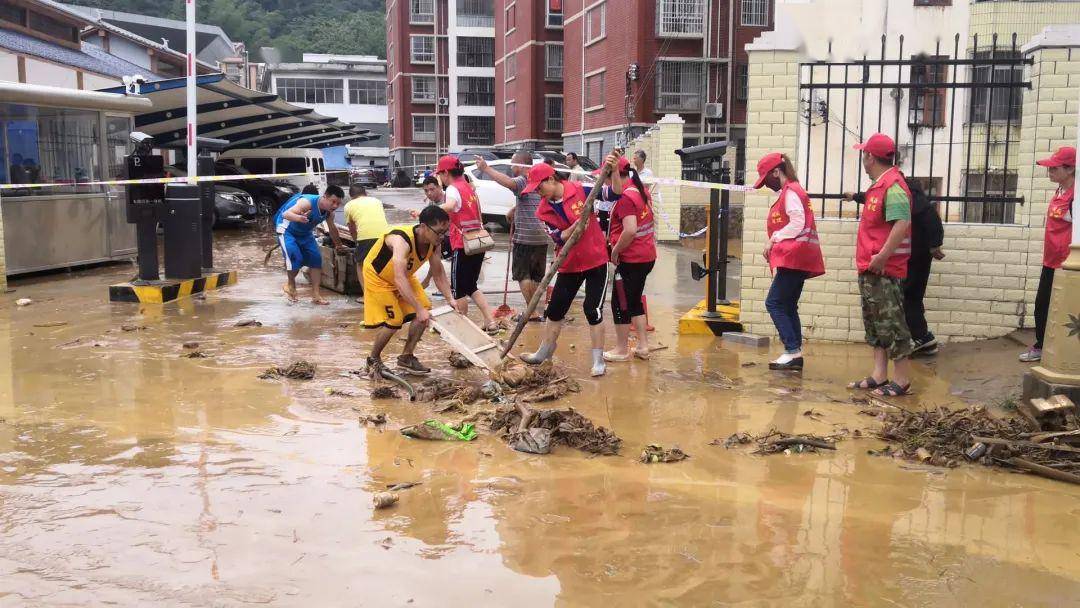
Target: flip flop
x,y
290,292
893,389
867,383
320,301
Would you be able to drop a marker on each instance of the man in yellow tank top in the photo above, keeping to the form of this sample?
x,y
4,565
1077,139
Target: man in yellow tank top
x,y
392,294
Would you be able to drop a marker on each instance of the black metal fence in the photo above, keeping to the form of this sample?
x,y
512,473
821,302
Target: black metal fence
x,y
955,118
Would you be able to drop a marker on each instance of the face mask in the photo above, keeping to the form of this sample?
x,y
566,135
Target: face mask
x,y
773,183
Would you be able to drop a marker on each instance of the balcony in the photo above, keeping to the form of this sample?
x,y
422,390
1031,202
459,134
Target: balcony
x,y
476,13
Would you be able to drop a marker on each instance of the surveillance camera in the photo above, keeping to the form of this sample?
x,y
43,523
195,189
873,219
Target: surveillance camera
x,y
139,137
133,84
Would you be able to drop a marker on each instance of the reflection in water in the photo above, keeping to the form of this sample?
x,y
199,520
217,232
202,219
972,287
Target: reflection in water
x,y
131,475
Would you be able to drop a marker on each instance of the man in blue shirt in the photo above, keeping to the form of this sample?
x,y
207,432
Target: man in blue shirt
x,y
295,224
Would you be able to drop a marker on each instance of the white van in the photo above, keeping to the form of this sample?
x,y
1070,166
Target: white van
x,y
285,160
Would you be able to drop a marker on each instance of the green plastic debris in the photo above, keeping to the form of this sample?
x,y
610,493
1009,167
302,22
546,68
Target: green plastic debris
x,y
434,430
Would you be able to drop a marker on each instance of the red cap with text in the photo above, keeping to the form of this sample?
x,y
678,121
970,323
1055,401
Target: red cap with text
x,y
537,174
448,163
879,146
767,163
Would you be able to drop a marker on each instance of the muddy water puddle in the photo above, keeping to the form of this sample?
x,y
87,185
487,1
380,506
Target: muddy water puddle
x,y
132,475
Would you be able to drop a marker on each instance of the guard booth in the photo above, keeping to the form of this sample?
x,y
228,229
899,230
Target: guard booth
x,y
57,145
716,314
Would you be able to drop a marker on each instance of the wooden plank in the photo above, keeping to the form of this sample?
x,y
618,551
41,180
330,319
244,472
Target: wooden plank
x,y
466,337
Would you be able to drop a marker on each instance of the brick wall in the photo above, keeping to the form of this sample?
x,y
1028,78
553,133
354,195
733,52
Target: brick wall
x,y
986,285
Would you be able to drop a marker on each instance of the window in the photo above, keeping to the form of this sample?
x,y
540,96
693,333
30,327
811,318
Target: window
x,y
511,17
422,11
595,24
511,114
258,166
13,14
422,49
292,165
553,61
926,108
933,2
990,213
476,91
367,92
742,82
425,160
755,13
423,128
423,89
476,130
510,66
49,145
553,114
311,90
680,18
594,91
594,150
554,13
679,86
1002,107
476,13
53,27
475,52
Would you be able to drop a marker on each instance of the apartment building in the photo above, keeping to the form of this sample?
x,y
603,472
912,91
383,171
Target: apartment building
x,y
529,72
629,62
441,78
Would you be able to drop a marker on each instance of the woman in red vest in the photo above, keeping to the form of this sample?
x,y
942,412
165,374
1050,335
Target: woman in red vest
x,y
562,205
463,206
1061,169
793,253
632,240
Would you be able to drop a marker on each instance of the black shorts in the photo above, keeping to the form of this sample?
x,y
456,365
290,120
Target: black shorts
x,y
566,287
629,285
529,262
362,249
465,273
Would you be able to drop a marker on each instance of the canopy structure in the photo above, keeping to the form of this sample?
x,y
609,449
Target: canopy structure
x,y
245,118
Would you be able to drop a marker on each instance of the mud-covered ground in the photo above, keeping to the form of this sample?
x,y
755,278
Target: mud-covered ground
x,y
132,475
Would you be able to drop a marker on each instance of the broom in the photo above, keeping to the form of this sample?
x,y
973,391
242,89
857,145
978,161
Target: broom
x,y
504,311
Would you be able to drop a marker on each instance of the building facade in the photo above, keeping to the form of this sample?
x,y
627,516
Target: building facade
x,y
630,62
529,72
351,87
441,78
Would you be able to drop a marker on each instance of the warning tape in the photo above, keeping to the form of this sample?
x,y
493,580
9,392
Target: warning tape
x,y
661,181
159,180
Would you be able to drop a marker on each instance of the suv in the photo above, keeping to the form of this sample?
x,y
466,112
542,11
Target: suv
x,y
268,195
232,206
365,176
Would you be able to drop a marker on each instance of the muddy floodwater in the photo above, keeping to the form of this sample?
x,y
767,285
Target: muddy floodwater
x,y
132,475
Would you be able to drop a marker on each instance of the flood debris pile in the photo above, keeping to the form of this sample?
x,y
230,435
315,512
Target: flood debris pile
x,y
458,361
533,384
777,442
537,431
384,392
195,354
654,453
373,419
435,430
300,370
947,438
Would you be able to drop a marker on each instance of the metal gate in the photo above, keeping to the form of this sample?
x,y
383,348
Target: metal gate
x,y
955,118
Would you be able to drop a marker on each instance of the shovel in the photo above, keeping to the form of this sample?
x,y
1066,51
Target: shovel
x,y
504,311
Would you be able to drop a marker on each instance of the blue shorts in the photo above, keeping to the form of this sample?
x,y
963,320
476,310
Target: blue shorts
x,y
300,252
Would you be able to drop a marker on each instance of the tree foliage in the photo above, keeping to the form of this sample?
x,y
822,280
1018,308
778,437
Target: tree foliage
x,y
291,26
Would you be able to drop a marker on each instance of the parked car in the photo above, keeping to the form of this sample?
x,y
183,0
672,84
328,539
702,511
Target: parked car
x,y
365,176
232,206
268,195
495,200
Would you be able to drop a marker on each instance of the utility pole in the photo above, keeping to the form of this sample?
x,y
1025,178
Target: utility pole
x,y
192,104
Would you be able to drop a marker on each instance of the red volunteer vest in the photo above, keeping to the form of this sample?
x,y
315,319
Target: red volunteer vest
x,y
802,252
643,247
1059,221
468,218
589,252
874,230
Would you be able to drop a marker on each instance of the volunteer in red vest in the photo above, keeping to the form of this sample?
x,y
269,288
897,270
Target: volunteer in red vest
x,y
632,242
1061,169
882,249
792,251
562,204
463,206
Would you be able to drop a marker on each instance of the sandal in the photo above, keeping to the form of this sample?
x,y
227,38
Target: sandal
x,y
320,301
893,389
867,383
290,293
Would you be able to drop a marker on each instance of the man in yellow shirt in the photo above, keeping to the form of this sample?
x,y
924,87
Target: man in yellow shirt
x,y
367,222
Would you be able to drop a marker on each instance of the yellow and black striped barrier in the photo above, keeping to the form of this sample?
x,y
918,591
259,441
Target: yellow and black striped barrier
x,y
696,323
161,292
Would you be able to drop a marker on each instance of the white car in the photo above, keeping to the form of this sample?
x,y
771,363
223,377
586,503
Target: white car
x,y
495,200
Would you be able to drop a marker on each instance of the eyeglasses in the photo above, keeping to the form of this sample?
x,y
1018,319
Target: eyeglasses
x,y
438,233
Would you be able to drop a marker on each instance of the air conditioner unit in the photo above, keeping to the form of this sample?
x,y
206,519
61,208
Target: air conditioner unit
x,y
444,102
714,110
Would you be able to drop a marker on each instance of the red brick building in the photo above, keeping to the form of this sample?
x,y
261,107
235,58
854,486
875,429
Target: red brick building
x,y
629,62
529,74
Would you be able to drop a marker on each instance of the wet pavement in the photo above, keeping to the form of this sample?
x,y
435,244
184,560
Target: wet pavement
x,y
131,475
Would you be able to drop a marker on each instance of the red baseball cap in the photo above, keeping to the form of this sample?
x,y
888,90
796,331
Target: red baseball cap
x,y
447,163
624,167
537,174
1065,156
878,145
767,163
